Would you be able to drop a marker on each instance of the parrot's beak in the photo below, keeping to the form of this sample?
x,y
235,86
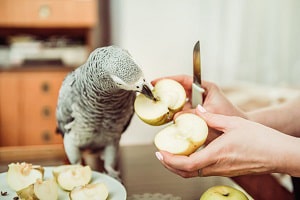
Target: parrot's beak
x,y
147,92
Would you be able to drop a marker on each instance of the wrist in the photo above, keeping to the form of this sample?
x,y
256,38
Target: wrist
x,y
289,159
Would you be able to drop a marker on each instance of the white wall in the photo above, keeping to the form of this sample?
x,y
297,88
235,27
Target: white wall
x,y
241,40
160,35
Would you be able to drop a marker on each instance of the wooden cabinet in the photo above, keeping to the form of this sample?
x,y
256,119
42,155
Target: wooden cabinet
x,y
28,100
28,95
48,13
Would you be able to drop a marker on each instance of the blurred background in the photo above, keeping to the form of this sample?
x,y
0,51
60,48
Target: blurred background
x,y
249,48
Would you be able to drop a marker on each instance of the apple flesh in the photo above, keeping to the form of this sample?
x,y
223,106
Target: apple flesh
x,y
40,190
46,190
223,192
170,98
93,191
57,170
72,176
184,136
21,175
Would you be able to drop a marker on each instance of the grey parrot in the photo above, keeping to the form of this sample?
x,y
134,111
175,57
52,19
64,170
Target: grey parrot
x,y
95,104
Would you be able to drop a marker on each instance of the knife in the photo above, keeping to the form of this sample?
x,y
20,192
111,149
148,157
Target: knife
x,y
197,90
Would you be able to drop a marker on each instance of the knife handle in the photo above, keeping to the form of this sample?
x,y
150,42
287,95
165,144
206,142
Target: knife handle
x,y
197,95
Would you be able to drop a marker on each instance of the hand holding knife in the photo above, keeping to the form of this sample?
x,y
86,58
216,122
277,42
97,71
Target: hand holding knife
x,y
197,90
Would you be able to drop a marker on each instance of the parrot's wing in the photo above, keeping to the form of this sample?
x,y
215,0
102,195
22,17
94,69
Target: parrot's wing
x,y
129,121
64,104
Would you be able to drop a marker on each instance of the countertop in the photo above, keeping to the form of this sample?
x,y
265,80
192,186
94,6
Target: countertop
x,y
141,173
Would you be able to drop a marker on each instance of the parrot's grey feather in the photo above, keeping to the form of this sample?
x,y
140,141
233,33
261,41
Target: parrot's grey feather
x,y
95,103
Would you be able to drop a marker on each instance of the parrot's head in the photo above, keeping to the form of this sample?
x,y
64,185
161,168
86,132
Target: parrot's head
x,y
124,72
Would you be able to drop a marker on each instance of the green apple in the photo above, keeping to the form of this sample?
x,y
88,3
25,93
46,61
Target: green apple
x,y
184,136
72,176
93,191
170,98
223,192
21,175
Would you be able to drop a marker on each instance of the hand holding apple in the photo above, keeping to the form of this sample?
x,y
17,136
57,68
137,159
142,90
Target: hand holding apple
x,y
187,133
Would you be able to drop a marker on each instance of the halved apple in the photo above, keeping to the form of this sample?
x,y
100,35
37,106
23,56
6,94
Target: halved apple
x,y
73,176
93,191
21,175
40,190
184,136
170,98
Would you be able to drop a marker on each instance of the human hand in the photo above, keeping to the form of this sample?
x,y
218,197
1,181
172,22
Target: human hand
x,y
214,100
245,147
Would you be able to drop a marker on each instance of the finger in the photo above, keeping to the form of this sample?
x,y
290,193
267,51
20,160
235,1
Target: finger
x,y
219,122
209,86
192,163
182,173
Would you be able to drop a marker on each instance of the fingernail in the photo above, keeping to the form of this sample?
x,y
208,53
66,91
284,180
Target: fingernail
x,y
159,156
201,109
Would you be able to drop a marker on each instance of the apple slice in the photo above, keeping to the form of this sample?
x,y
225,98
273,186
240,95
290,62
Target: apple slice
x,y
184,136
93,191
223,192
46,190
40,190
170,98
57,170
21,175
72,177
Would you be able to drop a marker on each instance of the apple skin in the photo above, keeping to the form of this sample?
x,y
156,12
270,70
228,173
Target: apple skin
x,y
171,98
187,134
223,192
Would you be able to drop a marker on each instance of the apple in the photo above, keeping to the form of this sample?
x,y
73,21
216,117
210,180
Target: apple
x,y
170,98
223,192
70,176
57,170
46,190
184,136
93,191
40,190
21,175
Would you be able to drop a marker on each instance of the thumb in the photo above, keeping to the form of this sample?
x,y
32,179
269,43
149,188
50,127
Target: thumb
x,y
215,121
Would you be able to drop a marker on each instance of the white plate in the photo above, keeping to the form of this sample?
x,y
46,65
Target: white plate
x,y
115,189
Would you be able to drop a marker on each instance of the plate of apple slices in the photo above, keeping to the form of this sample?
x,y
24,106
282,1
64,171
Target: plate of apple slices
x,y
64,182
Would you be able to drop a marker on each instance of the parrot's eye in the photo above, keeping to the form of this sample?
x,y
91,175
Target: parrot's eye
x,y
137,87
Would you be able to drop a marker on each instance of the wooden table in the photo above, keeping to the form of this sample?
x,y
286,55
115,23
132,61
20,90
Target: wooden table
x,y
142,173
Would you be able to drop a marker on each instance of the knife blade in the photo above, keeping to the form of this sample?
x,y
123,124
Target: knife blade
x,y
197,90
